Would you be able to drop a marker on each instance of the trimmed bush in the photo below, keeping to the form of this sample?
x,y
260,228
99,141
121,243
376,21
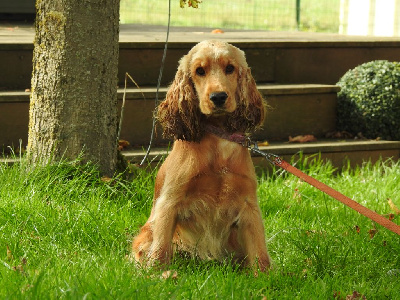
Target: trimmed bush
x,y
369,100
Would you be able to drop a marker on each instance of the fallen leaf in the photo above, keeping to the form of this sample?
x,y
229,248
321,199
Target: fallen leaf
x,y
372,232
265,143
106,179
393,207
9,253
122,144
390,216
336,294
355,295
18,268
302,138
357,228
217,31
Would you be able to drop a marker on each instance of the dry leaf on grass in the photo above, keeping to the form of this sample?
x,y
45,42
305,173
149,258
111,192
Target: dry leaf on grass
x,y
393,207
106,179
9,253
372,232
389,216
355,295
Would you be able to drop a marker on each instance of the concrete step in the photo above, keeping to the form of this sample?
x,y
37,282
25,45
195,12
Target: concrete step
x,y
338,152
286,57
294,109
341,153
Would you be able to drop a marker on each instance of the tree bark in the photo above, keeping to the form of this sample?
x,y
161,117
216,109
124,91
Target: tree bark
x,y
73,109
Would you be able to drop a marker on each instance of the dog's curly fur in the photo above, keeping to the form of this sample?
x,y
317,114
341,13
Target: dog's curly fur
x,y
205,200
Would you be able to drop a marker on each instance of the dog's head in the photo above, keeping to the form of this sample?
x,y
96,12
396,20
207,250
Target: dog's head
x,y
213,81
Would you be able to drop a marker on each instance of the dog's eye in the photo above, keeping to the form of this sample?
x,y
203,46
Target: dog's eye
x,y
229,69
200,71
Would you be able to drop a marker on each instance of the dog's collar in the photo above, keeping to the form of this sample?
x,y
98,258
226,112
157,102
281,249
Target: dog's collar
x,y
236,137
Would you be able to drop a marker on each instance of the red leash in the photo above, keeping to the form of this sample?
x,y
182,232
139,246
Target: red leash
x,y
338,196
275,160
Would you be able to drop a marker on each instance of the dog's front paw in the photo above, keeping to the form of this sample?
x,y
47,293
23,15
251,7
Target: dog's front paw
x,y
159,258
264,264
261,264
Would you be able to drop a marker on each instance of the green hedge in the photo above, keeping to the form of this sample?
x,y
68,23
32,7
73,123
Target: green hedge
x,y
369,100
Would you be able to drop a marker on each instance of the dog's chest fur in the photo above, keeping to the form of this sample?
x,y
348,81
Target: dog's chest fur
x,y
214,197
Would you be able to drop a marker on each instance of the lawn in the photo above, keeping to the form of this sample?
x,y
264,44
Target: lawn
x,y
315,15
65,234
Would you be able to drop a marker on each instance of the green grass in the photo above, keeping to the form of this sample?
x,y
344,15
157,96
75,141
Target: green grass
x,y
68,234
315,15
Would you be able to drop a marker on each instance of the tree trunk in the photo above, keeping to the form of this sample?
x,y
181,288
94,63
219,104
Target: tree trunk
x,y
73,107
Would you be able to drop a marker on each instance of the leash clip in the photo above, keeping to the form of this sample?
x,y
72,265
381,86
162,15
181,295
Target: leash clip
x,y
253,146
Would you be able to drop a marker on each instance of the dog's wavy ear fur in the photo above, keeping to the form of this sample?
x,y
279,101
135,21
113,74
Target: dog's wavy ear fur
x,y
250,113
179,114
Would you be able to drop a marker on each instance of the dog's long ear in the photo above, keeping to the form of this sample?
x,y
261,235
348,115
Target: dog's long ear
x,y
250,113
179,114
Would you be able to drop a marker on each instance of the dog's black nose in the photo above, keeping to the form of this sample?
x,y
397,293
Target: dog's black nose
x,y
218,98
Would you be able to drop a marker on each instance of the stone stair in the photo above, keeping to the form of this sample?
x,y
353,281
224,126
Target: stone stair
x,y
294,109
296,72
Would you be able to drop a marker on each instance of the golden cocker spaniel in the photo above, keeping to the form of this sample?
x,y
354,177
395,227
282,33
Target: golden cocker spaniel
x,y
205,200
